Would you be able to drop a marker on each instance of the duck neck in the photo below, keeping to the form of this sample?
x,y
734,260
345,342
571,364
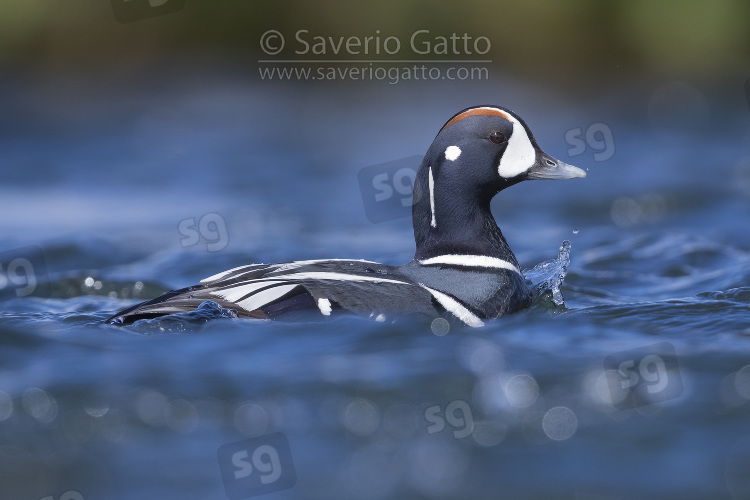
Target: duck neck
x,y
455,221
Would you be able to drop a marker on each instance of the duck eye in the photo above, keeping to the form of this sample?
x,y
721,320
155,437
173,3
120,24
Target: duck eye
x,y
496,137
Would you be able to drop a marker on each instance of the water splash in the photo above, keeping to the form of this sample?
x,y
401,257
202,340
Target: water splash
x,y
547,277
184,322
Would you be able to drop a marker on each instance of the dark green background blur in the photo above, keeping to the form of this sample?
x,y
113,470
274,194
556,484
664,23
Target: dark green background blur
x,y
574,39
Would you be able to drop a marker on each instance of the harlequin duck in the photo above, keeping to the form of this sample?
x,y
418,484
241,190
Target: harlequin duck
x,y
462,269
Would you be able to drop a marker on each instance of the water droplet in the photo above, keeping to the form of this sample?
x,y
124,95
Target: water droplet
x,y
559,423
547,277
575,231
522,391
251,419
151,407
361,417
40,405
182,416
440,326
6,406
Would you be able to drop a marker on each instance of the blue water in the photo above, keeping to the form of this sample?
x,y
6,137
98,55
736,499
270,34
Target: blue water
x,y
99,177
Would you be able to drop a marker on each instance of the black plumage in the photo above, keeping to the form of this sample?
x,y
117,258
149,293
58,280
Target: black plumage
x,y
463,268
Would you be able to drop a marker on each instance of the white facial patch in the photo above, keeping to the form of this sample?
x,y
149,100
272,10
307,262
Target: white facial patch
x,y
452,153
520,155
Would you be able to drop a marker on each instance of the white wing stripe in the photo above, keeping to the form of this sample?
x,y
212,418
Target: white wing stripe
x,y
279,286
470,261
262,298
299,263
281,267
236,293
239,290
220,275
338,277
455,308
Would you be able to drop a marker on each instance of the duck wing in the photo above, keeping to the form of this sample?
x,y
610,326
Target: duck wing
x,y
267,291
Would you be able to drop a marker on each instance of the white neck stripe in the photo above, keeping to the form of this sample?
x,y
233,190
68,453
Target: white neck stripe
x,y
455,308
470,261
433,222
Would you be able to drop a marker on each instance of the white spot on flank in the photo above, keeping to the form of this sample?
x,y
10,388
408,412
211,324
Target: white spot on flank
x,y
470,261
380,318
452,152
519,155
325,306
455,308
433,222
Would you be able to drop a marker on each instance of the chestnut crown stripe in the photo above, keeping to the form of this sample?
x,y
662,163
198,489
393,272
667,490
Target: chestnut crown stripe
x,y
478,112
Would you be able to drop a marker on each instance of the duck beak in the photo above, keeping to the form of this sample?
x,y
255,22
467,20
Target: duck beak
x,y
547,167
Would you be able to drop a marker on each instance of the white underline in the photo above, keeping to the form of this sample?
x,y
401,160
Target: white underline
x,y
385,61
